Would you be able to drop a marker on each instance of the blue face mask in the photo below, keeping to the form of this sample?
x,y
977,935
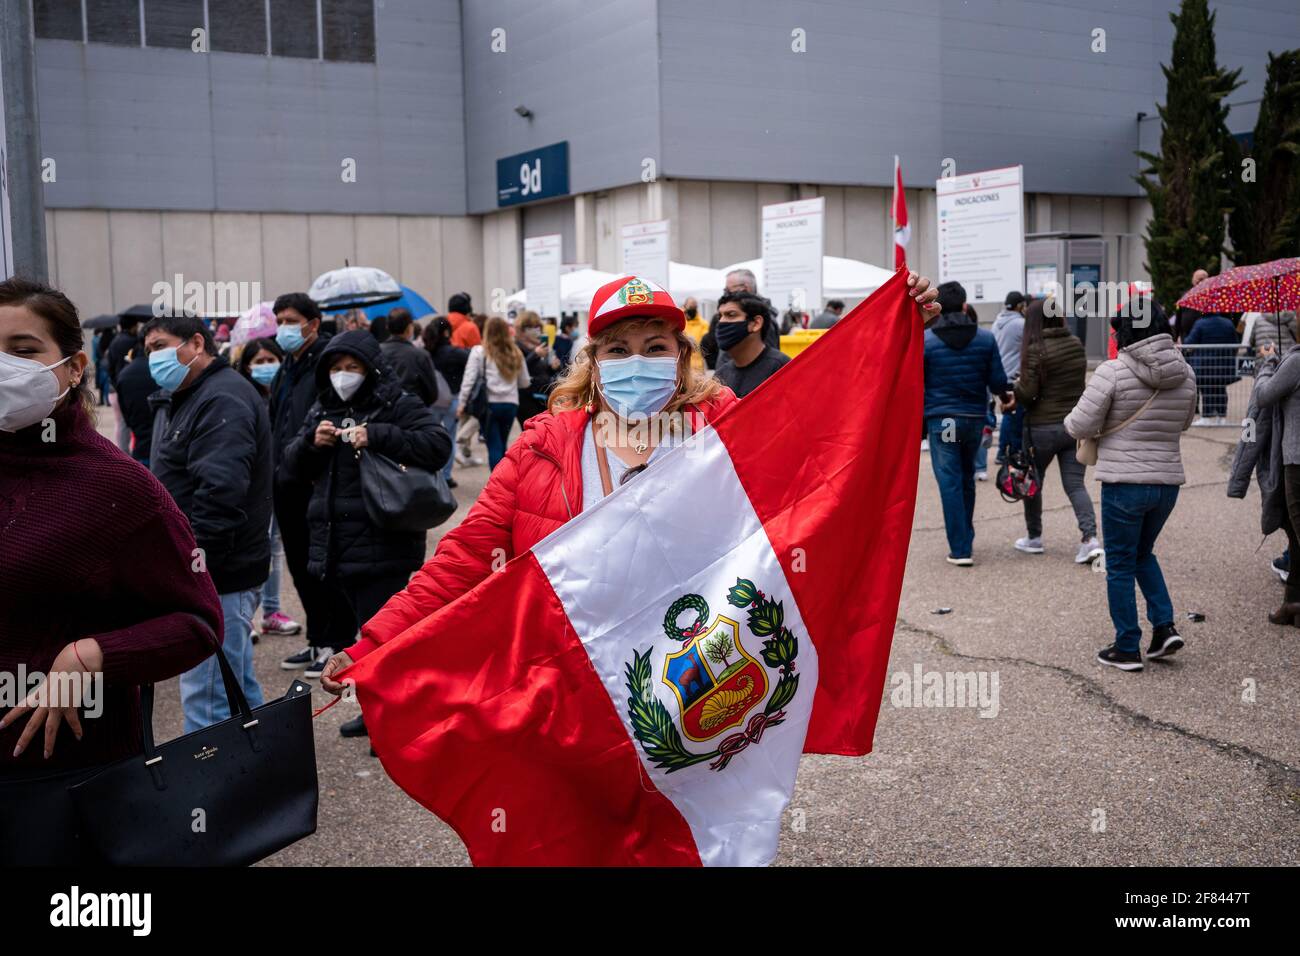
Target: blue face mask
x,y
264,374
166,369
289,337
638,385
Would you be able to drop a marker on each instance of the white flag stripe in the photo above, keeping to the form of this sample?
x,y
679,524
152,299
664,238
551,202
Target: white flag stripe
x,y
617,607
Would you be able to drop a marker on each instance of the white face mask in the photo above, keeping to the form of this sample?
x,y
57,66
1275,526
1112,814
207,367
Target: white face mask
x,y
28,391
346,383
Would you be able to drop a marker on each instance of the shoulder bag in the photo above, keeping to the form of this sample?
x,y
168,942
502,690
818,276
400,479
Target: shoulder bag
x,y
403,497
229,794
1085,451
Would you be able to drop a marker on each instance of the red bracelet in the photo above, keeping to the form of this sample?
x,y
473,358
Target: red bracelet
x,y
78,653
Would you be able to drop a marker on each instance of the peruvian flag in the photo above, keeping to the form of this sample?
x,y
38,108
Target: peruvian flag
x,y
902,231
638,688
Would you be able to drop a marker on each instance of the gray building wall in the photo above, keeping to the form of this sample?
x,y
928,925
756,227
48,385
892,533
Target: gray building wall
x,y
589,73
149,128
987,83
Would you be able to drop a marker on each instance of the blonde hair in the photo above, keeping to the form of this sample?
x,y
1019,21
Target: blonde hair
x,y
501,348
578,386
527,318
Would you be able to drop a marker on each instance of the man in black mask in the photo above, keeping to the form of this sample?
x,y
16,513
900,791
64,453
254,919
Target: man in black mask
x,y
745,360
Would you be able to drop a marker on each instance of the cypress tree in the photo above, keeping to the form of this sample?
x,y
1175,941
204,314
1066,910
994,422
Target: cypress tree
x,y
1190,183
1265,221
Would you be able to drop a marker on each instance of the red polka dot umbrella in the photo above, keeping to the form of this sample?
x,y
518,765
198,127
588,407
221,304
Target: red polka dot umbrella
x,y
1266,287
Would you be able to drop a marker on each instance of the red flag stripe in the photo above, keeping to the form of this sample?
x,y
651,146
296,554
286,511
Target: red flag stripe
x,y
835,488
516,745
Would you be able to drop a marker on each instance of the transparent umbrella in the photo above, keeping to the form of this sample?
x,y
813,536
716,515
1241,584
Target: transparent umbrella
x,y
353,287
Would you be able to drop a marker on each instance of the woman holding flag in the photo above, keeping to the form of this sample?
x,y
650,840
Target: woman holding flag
x,y
631,393
551,663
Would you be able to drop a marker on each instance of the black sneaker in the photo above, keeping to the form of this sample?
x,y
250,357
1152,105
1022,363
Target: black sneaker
x,y
453,483
1125,660
356,727
296,662
1165,640
317,666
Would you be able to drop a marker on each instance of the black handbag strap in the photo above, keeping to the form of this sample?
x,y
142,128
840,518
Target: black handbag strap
x,y
234,695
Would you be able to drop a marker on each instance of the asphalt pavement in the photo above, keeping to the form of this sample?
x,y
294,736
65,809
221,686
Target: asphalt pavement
x,y
1191,762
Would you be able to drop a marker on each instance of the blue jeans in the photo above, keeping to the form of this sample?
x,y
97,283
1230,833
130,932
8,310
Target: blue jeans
x,y
203,695
271,589
982,453
1011,432
448,421
500,419
1131,519
954,469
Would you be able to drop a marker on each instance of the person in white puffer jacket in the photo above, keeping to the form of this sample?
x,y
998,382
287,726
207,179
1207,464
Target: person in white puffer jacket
x,y
1138,405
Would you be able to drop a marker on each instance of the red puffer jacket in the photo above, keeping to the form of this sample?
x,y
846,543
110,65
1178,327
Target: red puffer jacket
x,y
534,489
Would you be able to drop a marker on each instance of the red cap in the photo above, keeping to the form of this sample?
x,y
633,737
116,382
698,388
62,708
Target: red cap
x,y
632,296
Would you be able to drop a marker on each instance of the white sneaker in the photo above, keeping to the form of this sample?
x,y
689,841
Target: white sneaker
x,y
961,562
981,476
1202,422
1030,545
1088,550
462,459
925,445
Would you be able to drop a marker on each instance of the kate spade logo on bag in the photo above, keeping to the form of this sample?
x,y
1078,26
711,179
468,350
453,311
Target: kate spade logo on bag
x,y
205,753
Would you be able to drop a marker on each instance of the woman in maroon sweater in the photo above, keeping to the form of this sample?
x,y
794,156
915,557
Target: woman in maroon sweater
x,y
96,576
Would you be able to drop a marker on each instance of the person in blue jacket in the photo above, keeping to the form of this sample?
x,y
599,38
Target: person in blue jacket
x,y
962,366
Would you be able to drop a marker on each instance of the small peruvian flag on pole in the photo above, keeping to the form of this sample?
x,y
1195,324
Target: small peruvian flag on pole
x,y
902,231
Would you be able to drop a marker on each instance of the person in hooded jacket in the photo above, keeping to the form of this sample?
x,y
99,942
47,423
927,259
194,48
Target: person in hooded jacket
x,y
1137,406
636,362
360,408
962,366
299,332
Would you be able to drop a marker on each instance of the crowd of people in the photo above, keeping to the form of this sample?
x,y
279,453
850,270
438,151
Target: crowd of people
x,y
1165,374
249,457
248,462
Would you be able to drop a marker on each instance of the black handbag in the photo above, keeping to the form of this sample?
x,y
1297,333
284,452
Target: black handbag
x,y
1018,478
403,497
227,795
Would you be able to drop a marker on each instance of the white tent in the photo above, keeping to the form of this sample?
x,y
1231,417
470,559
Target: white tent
x,y
701,282
577,287
846,279
576,290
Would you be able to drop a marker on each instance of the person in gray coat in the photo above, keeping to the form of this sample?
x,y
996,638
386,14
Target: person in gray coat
x,y
1259,452
1277,388
1270,329
1137,405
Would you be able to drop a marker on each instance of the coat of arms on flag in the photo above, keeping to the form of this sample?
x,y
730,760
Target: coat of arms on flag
x,y
716,681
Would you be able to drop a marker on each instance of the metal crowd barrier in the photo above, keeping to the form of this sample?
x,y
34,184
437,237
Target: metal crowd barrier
x,y
1225,376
